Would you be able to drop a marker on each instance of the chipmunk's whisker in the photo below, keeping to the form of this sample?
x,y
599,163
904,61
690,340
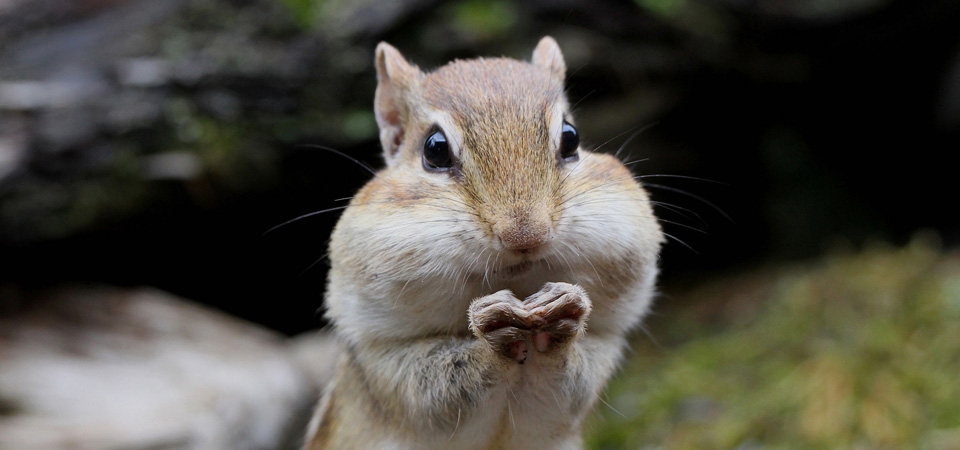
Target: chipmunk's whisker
x,y
676,239
304,216
686,177
691,195
676,209
689,227
356,161
634,136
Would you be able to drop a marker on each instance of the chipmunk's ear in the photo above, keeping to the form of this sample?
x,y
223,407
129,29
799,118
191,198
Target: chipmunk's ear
x,y
397,81
547,55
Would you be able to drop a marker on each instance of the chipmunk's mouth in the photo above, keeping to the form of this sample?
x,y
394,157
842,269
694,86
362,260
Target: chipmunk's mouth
x,y
514,270
515,264
517,269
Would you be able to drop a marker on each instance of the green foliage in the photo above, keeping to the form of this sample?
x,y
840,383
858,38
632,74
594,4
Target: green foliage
x,y
306,12
861,351
359,124
483,18
698,19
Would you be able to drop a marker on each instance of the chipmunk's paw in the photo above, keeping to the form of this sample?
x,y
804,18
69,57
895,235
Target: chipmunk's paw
x,y
558,314
501,320
544,321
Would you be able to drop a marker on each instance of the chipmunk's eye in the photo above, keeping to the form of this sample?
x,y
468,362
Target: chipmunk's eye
x,y
436,153
569,143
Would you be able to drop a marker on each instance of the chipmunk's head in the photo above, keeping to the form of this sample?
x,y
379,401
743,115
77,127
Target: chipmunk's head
x,y
486,188
497,130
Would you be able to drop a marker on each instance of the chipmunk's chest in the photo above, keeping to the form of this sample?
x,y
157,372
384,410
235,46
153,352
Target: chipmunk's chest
x,y
523,412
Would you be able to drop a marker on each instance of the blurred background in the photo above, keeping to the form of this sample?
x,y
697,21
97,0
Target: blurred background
x,y
155,142
147,143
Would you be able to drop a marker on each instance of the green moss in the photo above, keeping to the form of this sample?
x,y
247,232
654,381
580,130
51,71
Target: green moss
x,y
862,350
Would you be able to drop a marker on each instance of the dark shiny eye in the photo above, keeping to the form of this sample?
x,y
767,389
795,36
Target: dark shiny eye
x,y
569,143
436,152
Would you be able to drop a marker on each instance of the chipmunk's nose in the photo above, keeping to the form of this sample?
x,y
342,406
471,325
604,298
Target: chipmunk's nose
x,y
523,231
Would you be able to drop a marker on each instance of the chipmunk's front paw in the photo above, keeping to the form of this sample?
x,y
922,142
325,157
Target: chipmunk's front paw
x,y
501,320
559,313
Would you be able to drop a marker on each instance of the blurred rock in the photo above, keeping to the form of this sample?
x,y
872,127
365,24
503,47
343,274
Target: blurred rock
x,y
109,368
33,95
172,166
143,72
139,80
13,145
317,352
64,128
350,18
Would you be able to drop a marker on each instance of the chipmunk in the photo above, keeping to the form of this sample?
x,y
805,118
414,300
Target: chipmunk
x,y
482,284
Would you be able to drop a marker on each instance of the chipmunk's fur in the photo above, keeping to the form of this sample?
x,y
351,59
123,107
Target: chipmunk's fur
x,y
482,304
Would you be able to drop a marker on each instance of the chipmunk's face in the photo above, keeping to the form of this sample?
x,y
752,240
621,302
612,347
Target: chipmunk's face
x,y
496,133
487,187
